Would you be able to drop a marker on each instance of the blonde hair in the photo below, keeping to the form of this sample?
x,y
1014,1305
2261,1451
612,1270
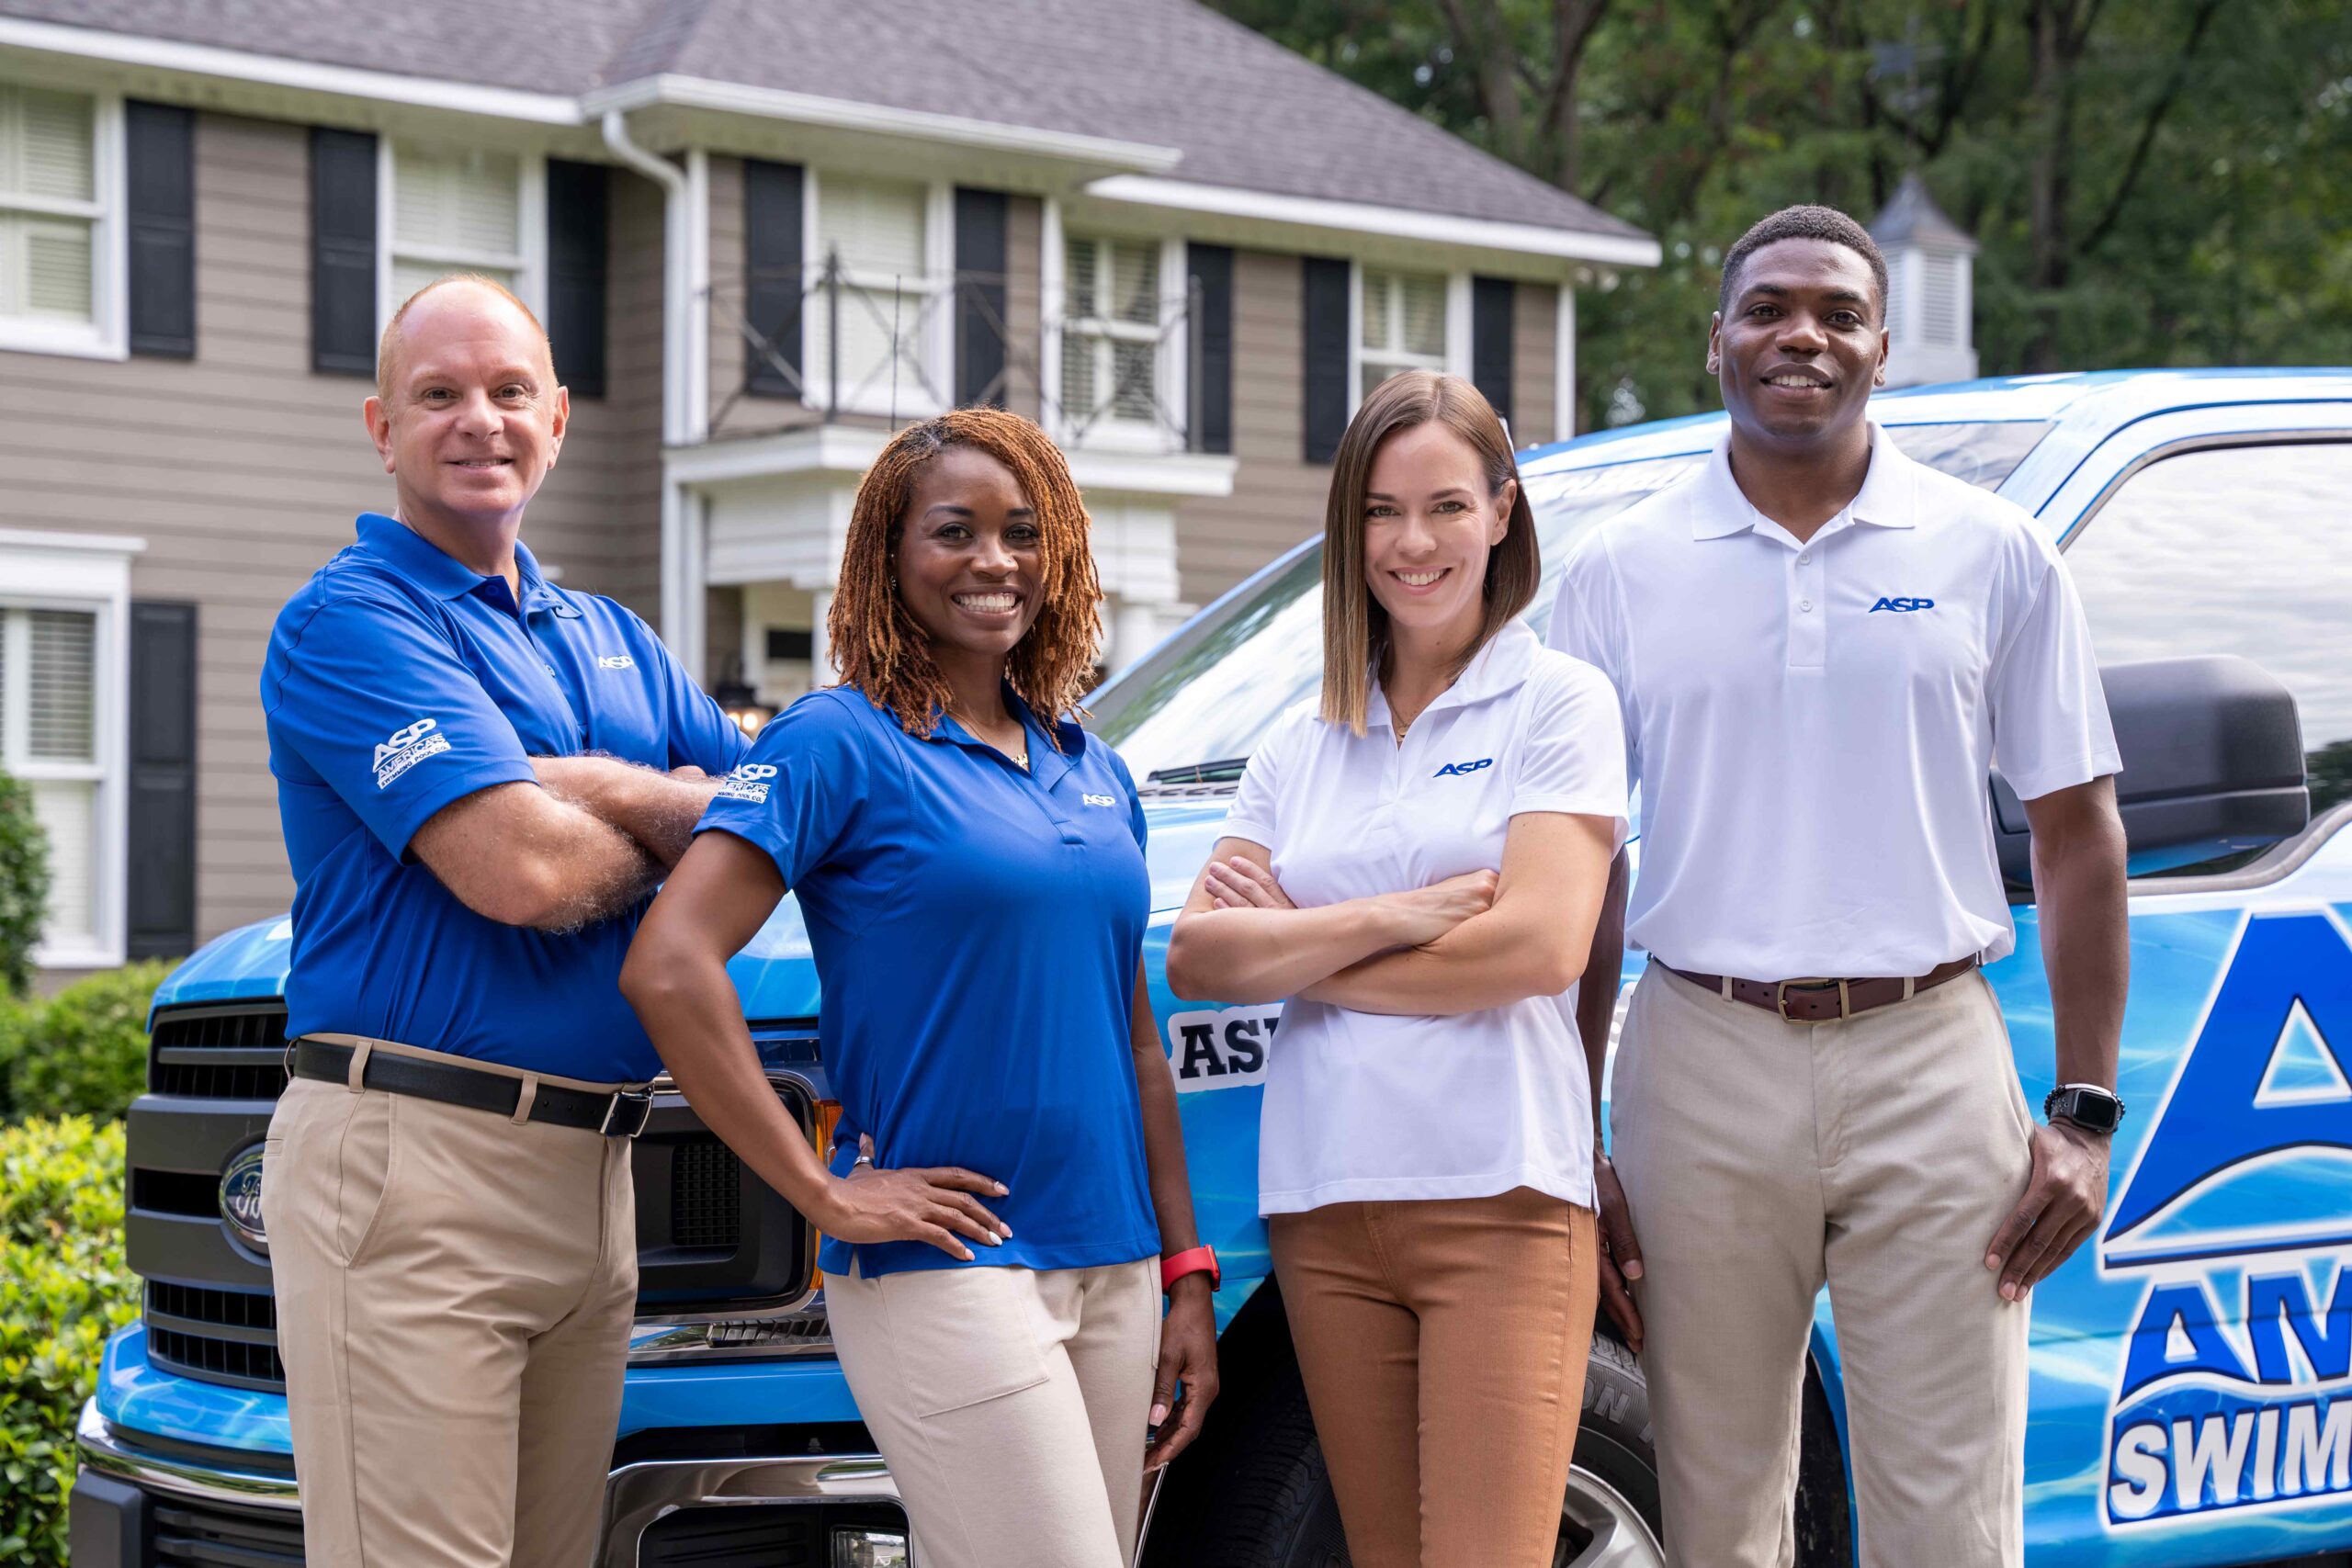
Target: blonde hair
x,y
386,344
885,653
1355,628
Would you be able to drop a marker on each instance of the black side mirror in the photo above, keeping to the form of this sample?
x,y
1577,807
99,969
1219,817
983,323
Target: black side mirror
x,y
2212,766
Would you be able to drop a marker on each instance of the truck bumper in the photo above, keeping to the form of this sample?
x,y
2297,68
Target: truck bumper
x,y
139,1507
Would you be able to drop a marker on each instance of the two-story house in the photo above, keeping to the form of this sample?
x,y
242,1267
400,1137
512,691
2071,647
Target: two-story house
x,y
760,234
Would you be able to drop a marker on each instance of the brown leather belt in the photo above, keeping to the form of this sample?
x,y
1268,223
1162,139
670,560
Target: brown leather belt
x,y
1817,1000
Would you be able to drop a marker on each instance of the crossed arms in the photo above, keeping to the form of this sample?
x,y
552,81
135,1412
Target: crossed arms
x,y
592,836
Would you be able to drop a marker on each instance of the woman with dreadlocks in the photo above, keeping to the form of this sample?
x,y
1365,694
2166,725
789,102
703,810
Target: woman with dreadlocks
x,y
1008,1195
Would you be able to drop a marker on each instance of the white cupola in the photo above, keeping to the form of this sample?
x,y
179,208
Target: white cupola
x,y
1929,291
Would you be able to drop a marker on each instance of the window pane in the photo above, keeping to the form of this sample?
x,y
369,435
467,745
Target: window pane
x,y
1404,312
44,266
870,320
466,201
2240,551
67,813
1135,283
47,144
58,707
1078,274
1078,355
1132,366
875,224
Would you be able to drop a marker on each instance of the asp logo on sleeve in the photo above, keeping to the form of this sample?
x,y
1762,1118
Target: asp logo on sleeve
x,y
409,746
749,782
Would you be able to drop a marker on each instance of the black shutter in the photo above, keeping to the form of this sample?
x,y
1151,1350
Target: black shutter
x,y
578,213
1211,268
1490,306
161,856
773,248
343,252
159,148
980,249
1327,357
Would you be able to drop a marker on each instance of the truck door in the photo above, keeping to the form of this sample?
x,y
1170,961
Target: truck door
x,y
2192,1399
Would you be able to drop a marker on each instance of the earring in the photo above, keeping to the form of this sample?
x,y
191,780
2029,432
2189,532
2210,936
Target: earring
x,y
894,582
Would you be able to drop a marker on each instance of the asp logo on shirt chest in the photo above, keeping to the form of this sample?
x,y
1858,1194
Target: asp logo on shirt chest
x,y
1455,770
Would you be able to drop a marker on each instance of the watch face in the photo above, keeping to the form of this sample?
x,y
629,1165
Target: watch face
x,y
2098,1112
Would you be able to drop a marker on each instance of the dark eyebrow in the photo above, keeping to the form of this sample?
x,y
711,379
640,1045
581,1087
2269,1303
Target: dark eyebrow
x,y
1435,495
960,509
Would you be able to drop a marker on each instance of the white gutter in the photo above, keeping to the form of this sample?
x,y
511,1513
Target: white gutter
x,y
685,365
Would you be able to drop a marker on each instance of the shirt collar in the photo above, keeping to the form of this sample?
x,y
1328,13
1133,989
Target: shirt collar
x,y
430,567
1494,669
1047,763
1889,497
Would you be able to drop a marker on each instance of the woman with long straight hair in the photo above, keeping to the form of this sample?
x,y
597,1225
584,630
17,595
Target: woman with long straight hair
x,y
1416,862
1008,1200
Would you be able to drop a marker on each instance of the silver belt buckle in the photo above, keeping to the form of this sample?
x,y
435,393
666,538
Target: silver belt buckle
x,y
629,1123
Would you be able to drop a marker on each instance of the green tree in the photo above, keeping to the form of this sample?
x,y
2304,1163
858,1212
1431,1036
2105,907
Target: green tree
x,y
23,885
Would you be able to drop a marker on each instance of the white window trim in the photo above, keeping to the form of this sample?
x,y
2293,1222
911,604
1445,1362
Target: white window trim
x,y
90,573
935,346
529,265
1171,377
107,335
1455,361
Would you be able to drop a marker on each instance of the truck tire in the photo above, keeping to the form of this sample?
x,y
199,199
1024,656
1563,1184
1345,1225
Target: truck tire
x,y
1271,1505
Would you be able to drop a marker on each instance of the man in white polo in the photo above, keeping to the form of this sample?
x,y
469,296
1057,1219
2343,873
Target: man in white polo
x,y
1821,648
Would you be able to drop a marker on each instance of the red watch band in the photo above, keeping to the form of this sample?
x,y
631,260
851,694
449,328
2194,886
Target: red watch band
x,y
1191,1260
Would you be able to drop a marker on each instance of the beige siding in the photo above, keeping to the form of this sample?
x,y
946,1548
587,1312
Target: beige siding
x,y
1535,350
244,470
1277,496
1023,301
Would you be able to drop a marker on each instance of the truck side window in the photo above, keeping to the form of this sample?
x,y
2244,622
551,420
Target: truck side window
x,y
2234,549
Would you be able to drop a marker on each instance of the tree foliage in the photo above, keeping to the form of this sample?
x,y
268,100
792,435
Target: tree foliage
x,y
23,885
2166,182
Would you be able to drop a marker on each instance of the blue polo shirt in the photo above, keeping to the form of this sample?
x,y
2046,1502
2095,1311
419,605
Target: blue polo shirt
x,y
978,932
400,680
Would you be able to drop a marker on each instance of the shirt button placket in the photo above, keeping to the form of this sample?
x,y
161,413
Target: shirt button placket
x,y
1809,610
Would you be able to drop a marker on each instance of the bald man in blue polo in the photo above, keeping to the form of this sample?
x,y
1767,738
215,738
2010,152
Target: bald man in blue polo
x,y
481,777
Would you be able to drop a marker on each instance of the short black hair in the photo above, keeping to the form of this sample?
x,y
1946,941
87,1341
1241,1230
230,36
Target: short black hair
x,y
1808,222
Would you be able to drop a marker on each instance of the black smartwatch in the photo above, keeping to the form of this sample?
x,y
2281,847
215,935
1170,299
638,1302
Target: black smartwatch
x,y
2087,1106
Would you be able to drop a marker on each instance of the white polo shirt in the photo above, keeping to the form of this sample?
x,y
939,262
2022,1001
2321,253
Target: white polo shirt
x,y
1362,1107
1812,724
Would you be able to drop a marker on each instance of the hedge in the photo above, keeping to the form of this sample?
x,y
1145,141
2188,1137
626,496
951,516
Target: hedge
x,y
64,1289
82,1052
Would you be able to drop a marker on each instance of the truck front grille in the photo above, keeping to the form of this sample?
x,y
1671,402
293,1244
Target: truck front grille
x,y
211,1052
208,1535
706,1195
221,1336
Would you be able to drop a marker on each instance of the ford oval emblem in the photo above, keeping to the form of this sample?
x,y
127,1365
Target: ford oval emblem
x,y
241,1198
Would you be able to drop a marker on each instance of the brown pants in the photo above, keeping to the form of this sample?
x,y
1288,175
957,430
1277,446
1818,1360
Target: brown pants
x,y
1443,1346
454,1296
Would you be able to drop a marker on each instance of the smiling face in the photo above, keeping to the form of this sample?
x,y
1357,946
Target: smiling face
x,y
469,418
1802,343
970,556
1430,523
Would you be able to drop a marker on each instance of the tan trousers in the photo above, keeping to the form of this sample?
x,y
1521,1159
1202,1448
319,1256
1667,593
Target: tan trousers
x,y
454,1297
1877,1154
1010,1404
1443,1344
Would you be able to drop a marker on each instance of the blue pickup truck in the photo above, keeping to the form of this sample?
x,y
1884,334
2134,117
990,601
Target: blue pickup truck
x,y
2192,1364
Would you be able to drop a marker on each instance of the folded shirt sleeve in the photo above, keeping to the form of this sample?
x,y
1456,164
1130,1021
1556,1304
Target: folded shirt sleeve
x,y
369,693
797,792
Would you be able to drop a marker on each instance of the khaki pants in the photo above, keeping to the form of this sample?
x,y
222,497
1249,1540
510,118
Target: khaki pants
x,y
1443,1344
1877,1154
1010,1404
454,1297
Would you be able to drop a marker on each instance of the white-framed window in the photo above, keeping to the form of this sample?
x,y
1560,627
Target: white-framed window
x,y
64,630
894,244
446,209
1123,339
1406,320
61,231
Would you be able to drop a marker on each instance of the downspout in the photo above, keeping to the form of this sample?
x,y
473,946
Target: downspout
x,y
685,355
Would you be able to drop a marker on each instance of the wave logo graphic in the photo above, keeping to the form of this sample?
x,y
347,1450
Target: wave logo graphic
x,y
2236,1391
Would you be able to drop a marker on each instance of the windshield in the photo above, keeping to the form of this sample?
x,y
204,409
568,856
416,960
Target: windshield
x,y
1207,694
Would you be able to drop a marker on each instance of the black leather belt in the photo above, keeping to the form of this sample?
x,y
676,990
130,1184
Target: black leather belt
x,y
619,1116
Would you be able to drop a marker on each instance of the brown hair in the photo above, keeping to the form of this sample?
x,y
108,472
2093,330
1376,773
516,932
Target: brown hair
x,y
1355,628
393,328
884,650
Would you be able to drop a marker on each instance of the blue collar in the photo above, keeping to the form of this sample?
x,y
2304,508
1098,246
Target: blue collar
x,y
1047,763
425,563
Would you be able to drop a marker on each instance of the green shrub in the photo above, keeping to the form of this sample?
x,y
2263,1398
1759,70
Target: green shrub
x,y
82,1052
64,1289
23,885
